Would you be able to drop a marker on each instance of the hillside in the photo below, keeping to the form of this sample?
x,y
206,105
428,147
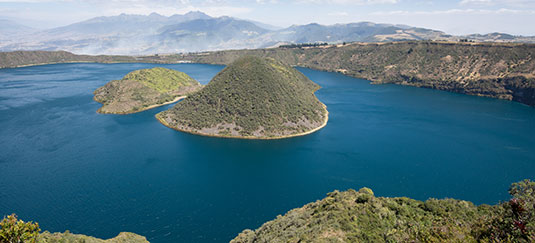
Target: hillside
x,y
497,70
28,58
67,237
251,98
505,71
144,89
353,216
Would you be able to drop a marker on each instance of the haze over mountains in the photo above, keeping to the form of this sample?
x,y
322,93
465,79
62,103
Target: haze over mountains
x,y
196,31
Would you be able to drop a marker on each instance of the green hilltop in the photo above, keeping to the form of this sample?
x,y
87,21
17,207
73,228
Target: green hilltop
x,y
144,89
359,216
251,98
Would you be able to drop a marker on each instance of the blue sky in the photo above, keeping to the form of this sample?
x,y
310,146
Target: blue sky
x,y
454,16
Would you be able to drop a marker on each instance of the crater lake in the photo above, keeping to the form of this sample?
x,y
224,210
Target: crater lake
x,y
69,168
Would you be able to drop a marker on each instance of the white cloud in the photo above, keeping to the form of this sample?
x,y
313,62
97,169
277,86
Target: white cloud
x,y
338,14
456,11
476,2
348,2
267,1
508,3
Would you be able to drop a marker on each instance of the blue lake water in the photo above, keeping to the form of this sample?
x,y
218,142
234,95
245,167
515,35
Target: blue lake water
x,y
69,168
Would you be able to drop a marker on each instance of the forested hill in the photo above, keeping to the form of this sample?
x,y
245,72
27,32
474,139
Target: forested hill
x,y
255,98
505,71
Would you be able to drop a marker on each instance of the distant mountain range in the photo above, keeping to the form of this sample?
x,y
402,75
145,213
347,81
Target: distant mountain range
x,y
196,31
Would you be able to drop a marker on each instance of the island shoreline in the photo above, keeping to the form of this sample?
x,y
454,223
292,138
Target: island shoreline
x,y
162,121
176,99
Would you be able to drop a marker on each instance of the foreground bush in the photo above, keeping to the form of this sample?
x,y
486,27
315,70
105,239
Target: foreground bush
x,y
13,230
353,216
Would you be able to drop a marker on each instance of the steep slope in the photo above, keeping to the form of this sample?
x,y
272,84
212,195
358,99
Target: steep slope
x,y
353,216
144,89
251,98
505,71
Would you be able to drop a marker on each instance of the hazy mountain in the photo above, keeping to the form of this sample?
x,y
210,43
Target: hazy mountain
x,y
363,31
125,24
9,28
208,34
499,37
196,31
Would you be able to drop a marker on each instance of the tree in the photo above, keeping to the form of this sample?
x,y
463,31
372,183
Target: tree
x,y
18,231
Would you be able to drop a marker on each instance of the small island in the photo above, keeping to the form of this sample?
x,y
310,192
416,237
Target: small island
x,y
253,98
144,89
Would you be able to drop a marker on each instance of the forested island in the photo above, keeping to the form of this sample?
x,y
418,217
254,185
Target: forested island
x,y
256,98
498,70
144,89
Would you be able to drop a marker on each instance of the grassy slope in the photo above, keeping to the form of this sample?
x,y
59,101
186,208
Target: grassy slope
x,y
28,58
67,237
160,79
251,95
144,88
505,71
353,216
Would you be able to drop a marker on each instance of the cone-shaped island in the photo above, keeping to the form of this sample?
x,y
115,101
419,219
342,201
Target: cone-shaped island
x,y
144,89
253,98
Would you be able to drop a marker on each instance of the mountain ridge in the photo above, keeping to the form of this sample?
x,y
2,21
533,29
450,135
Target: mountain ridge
x,y
134,34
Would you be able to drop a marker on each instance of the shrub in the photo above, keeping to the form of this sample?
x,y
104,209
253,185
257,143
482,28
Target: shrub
x,y
13,230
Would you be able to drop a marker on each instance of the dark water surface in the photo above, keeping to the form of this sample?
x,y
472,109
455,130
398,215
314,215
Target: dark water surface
x,y
67,167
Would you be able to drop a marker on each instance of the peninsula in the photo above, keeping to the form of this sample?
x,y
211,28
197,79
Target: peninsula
x,y
144,89
255,98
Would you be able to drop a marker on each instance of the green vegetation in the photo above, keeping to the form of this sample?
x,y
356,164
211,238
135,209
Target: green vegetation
x,y
505,71
144,89
353,216
498,70
28,58
161,79
13,230
254,98
67,237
